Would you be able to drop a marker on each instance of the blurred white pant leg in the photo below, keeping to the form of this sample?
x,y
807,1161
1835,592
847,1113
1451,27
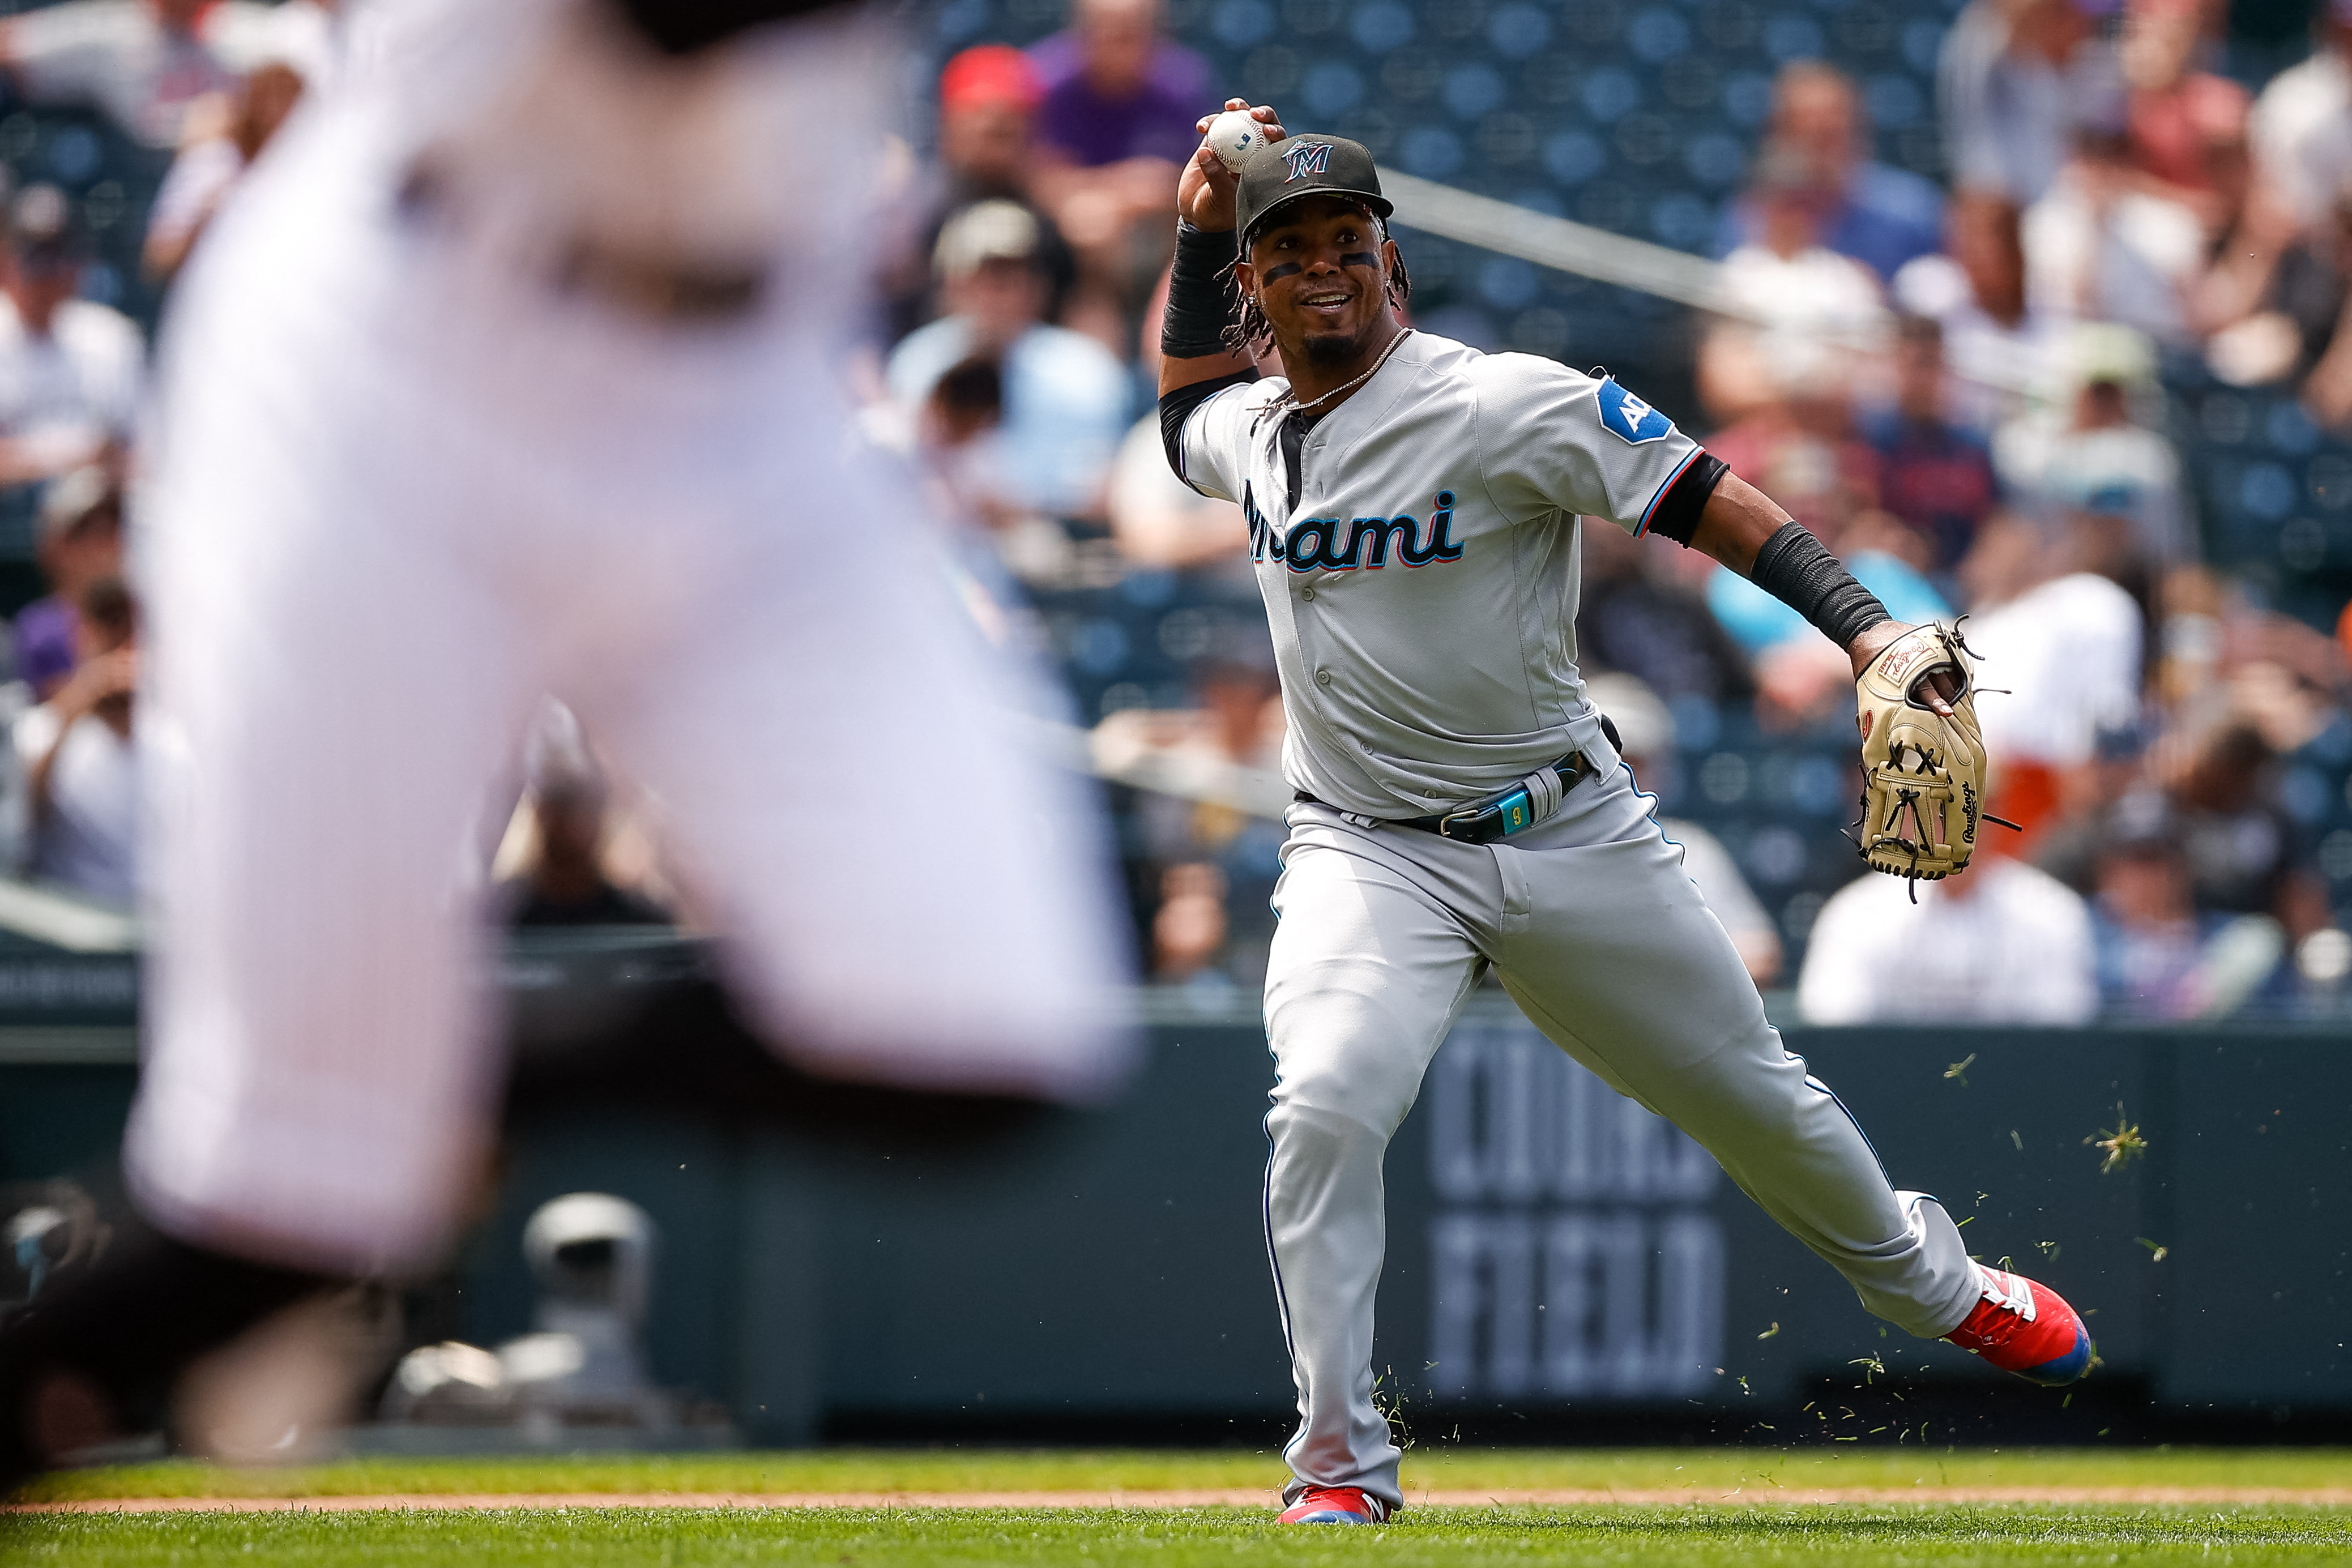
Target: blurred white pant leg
x,y
909,894
527,490
331,684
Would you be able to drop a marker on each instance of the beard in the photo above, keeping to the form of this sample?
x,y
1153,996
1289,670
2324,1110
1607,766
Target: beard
x,y
1331,348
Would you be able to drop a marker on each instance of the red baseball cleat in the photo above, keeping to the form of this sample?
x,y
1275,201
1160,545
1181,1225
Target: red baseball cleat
x,y
1336,1505
2025,1328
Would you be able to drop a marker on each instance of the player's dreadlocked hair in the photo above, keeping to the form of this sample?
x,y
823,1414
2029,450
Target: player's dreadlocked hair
x,y
1250,332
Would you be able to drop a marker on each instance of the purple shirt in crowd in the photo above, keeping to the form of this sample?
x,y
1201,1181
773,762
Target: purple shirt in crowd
x,y
1092,131
45,644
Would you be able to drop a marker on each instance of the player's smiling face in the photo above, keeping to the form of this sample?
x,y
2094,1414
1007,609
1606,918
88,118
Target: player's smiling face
x,y
1320,272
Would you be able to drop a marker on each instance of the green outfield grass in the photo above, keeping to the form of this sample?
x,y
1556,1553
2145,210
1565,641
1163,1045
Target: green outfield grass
x,y
1737,1520
1442,1467
1667,1537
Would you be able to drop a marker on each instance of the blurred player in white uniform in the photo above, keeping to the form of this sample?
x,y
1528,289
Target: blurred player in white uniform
x,y
513,372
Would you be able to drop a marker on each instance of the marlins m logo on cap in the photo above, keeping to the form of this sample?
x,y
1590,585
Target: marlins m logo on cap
x,y
1306,158
1281,172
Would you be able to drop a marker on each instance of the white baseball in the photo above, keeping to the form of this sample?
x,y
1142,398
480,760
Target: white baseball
x,y
1236,135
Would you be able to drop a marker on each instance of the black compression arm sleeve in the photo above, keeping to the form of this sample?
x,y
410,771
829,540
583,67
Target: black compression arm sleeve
x,y
1677,516
1795,568
1177,406
1201,303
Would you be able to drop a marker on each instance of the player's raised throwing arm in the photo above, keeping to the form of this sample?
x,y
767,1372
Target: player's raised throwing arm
x,y
1193,348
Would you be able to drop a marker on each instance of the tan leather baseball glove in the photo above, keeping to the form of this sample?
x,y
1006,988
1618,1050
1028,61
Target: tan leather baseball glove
x,y
1922,771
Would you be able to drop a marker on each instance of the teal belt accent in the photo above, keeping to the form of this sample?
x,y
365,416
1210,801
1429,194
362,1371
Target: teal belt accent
x,y
1497,816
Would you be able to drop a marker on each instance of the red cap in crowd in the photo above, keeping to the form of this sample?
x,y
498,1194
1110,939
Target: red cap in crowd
x,y
991,73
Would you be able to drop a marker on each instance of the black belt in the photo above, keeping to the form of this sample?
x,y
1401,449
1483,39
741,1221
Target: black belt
x,y
1484,821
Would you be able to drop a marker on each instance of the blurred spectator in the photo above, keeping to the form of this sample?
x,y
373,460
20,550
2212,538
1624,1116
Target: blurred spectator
x,y
2187,127
2276,298
1116,90
1785,276
1211,840
146,64
1934,475
1797,442
2244,853
2069,848
2062,642
2090,456
81,544
2275,302
2159,957
208,169
954,438
2000,943
2301,129
2101,245
81,770
1635,616
1999,346
1880,216
987,152
1188,928
1065,397
567,885
2014,79
568,856
1115,126
70,369
1646,726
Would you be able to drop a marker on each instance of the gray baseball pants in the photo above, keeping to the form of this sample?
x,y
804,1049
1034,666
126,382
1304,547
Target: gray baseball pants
x,y
1593,927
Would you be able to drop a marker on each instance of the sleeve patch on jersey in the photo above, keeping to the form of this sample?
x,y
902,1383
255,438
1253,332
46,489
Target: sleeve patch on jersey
x,y
1628,418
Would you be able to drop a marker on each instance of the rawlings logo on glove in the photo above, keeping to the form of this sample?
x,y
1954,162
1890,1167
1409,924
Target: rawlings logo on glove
x,y
1922,771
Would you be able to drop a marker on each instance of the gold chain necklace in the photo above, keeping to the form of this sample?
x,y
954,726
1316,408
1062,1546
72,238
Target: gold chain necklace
x,y
1297,407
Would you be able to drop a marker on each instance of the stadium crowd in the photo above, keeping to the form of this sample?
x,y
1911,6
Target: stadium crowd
x,y
1970,376
1959,384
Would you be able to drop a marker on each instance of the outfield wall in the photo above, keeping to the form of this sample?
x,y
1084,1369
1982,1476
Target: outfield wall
x,y
1555,1252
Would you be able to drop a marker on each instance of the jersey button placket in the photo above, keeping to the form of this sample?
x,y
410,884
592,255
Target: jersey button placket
x,y
1322,677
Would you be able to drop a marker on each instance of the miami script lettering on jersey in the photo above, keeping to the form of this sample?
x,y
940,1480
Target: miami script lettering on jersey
x,y
1347,544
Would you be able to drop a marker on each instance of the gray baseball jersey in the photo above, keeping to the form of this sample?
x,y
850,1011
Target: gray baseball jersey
x,y
1422,588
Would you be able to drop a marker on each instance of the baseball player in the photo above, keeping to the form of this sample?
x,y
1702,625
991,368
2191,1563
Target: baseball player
x,y
514,371
1415,507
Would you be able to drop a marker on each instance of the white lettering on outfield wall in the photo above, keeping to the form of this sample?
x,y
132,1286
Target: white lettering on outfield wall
x,y
1572,1254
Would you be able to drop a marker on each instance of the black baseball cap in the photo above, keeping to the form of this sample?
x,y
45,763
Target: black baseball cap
x,y
1303,164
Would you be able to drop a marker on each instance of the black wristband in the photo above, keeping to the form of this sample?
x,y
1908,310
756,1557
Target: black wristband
x,y
1795,568
1200,296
